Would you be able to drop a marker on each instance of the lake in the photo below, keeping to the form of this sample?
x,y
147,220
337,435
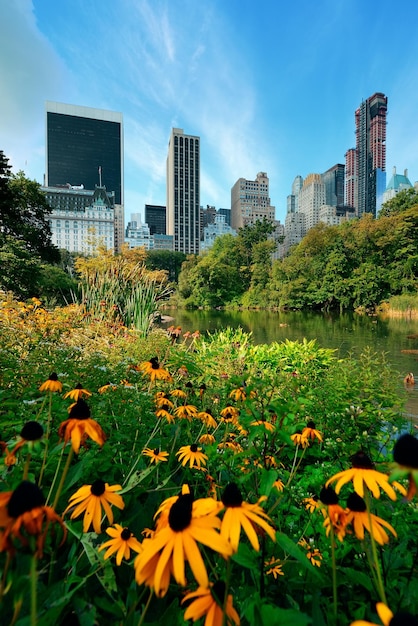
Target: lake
x,y
346,333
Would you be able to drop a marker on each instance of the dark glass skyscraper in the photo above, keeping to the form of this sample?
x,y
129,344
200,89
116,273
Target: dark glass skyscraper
x,y
84,147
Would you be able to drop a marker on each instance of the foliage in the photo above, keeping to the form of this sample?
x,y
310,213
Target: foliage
x,y
273,391
403,200
119,288
166,260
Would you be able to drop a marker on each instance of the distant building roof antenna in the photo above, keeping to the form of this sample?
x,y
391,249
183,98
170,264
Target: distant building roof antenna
x,y
100,175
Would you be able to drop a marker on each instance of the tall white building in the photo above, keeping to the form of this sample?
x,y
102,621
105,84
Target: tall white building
x,y
250,201
138,234
183,191
218,228
311,197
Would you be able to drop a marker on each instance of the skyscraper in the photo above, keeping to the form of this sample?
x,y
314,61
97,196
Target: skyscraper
x,y
183,191
84,149
369,167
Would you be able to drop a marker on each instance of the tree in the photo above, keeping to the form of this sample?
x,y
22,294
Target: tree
x,y
403,200
166,260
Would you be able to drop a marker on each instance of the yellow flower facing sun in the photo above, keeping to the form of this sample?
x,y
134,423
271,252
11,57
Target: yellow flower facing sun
x,y
186,411
122,542
156,455
300,440
362,473
210,602
93,500
79,426
192,455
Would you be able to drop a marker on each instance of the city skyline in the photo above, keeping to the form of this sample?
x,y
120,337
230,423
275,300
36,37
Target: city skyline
x,y
266,87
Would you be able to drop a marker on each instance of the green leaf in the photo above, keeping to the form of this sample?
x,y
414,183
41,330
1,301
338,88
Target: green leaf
x,y
285,617
246,557
136,479
267,479
291,548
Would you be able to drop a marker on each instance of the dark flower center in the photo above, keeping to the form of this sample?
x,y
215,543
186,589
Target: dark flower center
x,y
218,592
180,514
193,448
165,406
80,410
405,451
360,460
53,376
125,534
232,495
401,618
356,503
328,496
98,488
25,497
154,363
156,451
32,431
310,424
79,386
189,385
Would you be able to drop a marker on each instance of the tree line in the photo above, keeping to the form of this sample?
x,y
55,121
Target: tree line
x,y
360,263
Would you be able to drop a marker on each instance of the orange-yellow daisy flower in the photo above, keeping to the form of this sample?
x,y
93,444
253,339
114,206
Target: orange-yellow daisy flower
x,y
207,439
230,414
153,369
207,418
163,413
310,432
300,440
178,393
156,455
242,515
337,518
52,384
274,567
267,425
211,602
361,519
388,618
193,455
313,554
175,544
122,542
91,499
79,426
186,411
363,473
77,393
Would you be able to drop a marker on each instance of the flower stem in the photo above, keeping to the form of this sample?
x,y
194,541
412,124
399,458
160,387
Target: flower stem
x,y
334,574
63,477
48,431
380,585
144,612
33,588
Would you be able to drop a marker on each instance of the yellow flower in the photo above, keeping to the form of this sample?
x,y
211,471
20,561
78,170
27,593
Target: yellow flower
x,y
279,484
52,384
300,440
79,426
77,393
238,394
363,473
313,554
265,425
337,517
178,393
162,413
310,432
153,369
229,414
163,402
210,601
312,504
192,455
207,418
104,388
274,567
90,499
384,613
23,512
362,520
122,542
241,515
207,439
186,411
155,455
175,544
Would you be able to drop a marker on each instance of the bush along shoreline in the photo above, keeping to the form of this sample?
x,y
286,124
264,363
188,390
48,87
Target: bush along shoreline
x,y
173,477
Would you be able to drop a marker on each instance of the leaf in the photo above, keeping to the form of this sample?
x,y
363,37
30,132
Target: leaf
x,y
246,557
356,577
285,617
267,479
136,479
291,548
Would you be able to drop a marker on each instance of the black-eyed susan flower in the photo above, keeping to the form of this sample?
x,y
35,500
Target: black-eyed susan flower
x,y
310,432
122,542
207,418
300,440
156,455
107,387
192,455
94,500
278,484
77,393
207,439
312,554
178,393
186,411
337,516
313,504
164,414
363,473
265,424
242,515
274,567
175,544
400,618
230,444
153,370
211,602
31,433
24,514
52,384
162,402
238,394
79,426
405,455
362,520
229,415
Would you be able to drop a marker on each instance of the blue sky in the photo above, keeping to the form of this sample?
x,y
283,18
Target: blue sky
x,y
268,85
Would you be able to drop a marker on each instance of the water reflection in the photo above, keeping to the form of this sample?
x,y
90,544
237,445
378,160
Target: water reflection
x,y
348,333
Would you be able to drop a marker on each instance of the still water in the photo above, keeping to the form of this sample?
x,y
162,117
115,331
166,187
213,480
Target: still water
x,y
347,333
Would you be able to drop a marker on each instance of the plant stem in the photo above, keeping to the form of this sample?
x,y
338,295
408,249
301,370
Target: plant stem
x,y
63,477
144,612
334,574
380,588
33,595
